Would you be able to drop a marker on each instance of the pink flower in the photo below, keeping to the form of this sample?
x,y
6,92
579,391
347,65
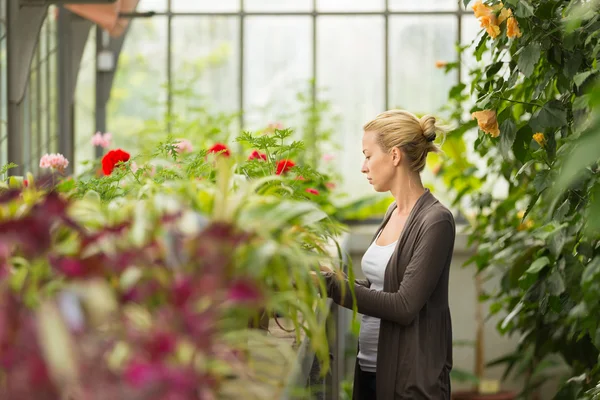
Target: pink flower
x,y
134,167
102,140
273,126
54,161
139,374
328,157
183,146
330,185
244,291
256,155
312,191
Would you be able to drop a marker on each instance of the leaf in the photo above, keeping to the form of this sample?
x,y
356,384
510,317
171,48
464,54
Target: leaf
x,y
541,181
557,241
572,66
512,315
551,115
528,58
534,200
581,77
521,143
538,265
524,9
583,154
555,284
591,271
508,130
524,167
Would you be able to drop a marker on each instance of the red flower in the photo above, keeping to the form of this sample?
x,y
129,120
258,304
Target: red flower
x,y
284,166
112,158
312,191
25,182
220,148
256,155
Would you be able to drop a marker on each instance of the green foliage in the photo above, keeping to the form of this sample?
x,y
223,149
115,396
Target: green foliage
x,y
542,234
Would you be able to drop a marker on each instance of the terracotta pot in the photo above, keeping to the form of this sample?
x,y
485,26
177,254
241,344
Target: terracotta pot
x,y
472,395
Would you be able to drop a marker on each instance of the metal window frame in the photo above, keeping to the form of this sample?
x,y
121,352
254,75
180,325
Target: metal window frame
x,y
242,14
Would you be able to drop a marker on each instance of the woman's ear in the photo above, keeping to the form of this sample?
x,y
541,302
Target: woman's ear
x,y
396,156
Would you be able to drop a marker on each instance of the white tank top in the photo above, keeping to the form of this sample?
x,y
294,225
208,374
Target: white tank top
x,y
373,265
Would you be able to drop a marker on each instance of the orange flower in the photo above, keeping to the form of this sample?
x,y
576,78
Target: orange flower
x,y
540,139
512,28
441,64
487,18
487,122
481,9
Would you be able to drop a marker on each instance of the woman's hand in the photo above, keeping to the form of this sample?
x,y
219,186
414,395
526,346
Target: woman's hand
x,y
315,277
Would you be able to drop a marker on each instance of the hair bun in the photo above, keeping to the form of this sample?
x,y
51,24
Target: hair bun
x,y
428,126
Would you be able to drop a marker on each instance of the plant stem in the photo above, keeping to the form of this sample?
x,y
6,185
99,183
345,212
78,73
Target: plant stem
x,y
517,101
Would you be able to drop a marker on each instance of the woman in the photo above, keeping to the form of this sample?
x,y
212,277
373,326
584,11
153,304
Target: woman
x,y
405,342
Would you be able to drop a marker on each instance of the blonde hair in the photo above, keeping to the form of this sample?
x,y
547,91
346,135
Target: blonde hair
x,y
412,135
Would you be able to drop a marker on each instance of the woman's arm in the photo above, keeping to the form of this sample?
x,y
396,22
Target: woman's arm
x,y
420,279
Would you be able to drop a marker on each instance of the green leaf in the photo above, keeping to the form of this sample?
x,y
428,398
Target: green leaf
x,y
528,58
581,77
541,181
551,115
581,102
521,143
538,265
466,3
557,241
584,153
534,200
512,315
591,271
572,66
524,9
508,133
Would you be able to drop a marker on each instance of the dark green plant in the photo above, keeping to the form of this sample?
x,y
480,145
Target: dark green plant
x,y
537,105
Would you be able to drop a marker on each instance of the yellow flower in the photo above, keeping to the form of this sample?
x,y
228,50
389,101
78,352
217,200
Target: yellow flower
x,y
521,214
512,28
487,122
524,226
493,30
441,64
540,139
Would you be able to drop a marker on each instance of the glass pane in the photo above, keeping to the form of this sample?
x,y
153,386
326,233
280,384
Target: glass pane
x,y
85,101
278,5
350,5
139,91
152,5
423,5
205,5
277,66
351,69
206,72
416,44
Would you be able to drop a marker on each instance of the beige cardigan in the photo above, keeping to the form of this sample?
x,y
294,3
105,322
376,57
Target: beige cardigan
x,y
415,337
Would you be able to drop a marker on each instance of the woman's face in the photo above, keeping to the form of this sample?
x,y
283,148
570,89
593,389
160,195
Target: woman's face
x,y
379,166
